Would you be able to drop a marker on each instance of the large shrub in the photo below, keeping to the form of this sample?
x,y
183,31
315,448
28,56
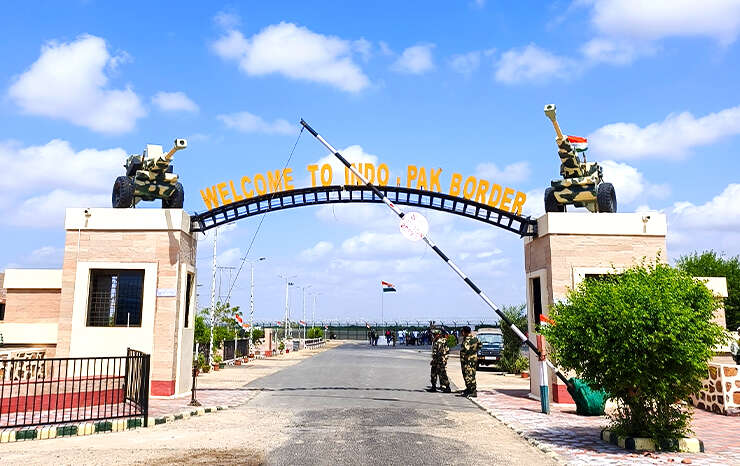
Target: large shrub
x,y
512,350
645,337
711,264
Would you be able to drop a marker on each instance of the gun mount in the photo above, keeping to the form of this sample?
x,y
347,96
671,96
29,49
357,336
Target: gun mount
x,y
148,177
583,182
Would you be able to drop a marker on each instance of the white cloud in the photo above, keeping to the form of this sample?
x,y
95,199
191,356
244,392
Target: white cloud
x,y
229,257
39,182
174,101
531,63
227,20
319,250
57,165
47,210
465,63
69,82
297,53
512,173
250,123
720,213
671,138
415,60
630,184
615,52
658,19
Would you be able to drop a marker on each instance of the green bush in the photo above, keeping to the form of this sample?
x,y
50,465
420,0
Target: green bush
x,y
512,343
645,337
521,364
451,341
711,264
315,332
281,346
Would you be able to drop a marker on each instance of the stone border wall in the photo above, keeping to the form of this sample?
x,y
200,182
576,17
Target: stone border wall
x,y
721,391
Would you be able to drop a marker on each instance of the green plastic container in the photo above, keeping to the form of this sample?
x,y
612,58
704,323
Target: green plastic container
x,y
588,402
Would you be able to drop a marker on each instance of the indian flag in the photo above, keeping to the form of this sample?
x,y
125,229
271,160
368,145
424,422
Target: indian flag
x,y
387,286
580,144
238,318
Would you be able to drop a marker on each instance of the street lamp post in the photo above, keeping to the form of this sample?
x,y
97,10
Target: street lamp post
x,y
288,284
251,302
303,289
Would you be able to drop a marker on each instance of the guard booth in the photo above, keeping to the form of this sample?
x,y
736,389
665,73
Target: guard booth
x,y
572,246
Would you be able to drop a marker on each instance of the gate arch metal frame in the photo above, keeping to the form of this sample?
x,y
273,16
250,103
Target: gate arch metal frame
x,y
320,195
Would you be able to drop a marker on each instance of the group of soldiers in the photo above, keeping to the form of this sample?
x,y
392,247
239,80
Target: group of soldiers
x,y
468,361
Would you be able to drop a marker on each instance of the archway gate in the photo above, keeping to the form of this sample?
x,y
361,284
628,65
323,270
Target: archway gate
x,y
319,195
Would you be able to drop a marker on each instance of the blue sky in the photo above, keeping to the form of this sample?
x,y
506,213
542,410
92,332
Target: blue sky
x,y
456,85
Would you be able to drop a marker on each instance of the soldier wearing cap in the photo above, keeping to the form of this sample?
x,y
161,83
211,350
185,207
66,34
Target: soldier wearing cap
x,y
469,361
439,362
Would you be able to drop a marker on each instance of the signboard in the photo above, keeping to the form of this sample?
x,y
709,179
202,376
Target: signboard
x,y
166,292
427,179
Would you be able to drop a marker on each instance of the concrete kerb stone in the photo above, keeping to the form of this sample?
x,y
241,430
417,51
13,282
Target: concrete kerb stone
x,y
543,448
683,445
89,428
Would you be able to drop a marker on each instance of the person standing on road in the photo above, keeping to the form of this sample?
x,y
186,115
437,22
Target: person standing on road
x,y
440,350
469,361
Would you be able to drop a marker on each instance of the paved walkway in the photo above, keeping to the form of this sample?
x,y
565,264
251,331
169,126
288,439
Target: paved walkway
x,y
227,387
576,438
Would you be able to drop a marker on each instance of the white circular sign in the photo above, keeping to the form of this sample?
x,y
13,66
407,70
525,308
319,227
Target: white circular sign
x,y
414,226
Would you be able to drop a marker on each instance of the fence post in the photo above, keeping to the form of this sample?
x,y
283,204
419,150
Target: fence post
x,y
145,404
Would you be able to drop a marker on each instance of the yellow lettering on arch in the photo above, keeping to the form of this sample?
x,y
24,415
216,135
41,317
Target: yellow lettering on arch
x,y
210,197
455,184
275,180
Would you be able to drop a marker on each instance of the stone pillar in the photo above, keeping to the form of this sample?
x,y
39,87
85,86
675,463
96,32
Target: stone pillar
x,y
157,242
572,246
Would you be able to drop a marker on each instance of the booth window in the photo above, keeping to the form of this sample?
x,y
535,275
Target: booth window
x,y
536,300
188,292
2,311
116,298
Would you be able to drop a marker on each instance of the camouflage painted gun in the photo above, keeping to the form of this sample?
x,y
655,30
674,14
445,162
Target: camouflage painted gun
x,y
582,184
148,177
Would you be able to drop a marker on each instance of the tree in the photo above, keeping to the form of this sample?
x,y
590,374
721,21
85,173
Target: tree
x,y
711,264
512,343
226,327
315,332
645,336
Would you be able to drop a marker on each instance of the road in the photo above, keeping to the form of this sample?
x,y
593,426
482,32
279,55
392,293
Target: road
x,y
353,404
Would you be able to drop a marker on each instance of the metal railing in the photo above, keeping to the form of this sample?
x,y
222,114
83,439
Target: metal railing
x,y
44,391
314,343
358,330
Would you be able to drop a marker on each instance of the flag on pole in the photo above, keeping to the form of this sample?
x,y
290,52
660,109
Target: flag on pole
x,y
544,321
279,323
367,325
580,144
301,322
238,318
387,287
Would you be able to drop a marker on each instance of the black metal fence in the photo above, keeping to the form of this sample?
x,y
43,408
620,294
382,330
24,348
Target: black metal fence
x,y
52,391
234,348
359,330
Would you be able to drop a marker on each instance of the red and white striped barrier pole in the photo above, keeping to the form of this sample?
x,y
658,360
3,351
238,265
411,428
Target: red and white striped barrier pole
x,y
435,248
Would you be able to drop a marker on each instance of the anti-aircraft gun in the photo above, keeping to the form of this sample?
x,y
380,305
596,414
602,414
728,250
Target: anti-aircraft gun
x,y
582,184
148,177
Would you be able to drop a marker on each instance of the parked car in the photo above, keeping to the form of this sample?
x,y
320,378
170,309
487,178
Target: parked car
x,y
492,340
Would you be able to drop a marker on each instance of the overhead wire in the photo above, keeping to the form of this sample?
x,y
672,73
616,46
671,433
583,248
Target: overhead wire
x,y
262,217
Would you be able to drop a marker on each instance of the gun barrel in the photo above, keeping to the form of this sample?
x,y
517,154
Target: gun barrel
x,y
550,110
179,144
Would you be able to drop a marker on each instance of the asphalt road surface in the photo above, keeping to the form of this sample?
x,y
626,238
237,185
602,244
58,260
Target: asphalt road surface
x,y
352,404
358,404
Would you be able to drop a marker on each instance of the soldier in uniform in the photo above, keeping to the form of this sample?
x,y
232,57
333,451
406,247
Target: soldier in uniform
x,y
469,361
440,350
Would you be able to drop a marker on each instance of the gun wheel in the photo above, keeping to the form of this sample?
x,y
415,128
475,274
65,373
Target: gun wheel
x,y
551,203
606,198
123,192
177,199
